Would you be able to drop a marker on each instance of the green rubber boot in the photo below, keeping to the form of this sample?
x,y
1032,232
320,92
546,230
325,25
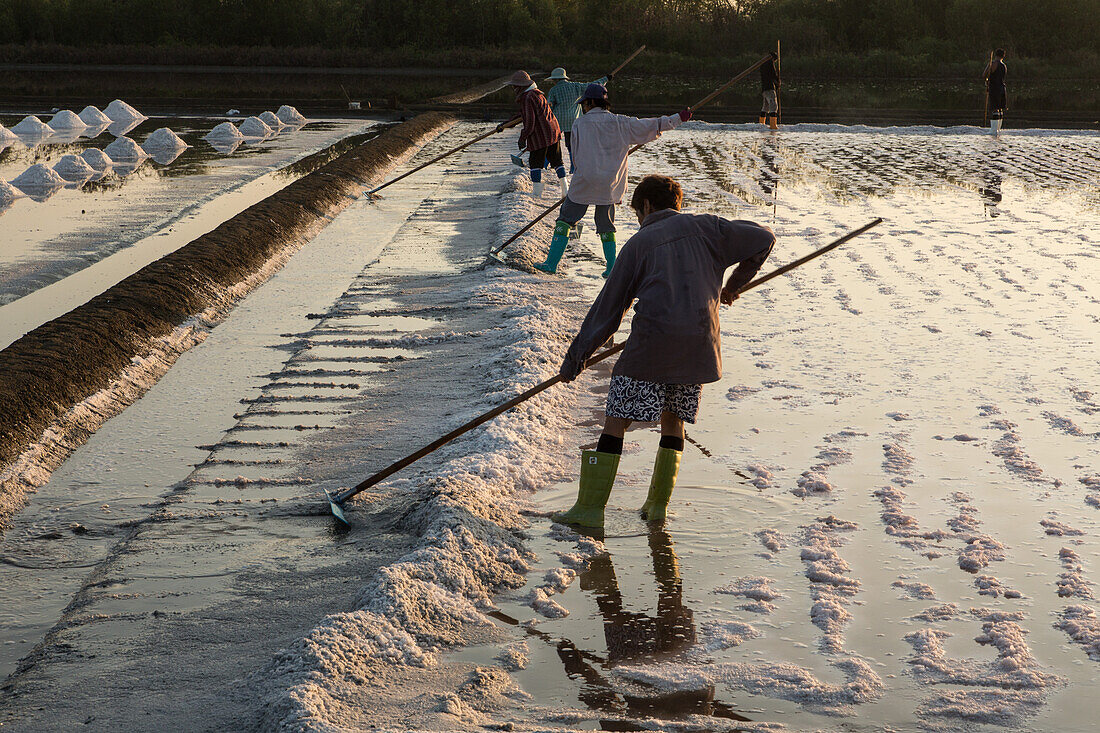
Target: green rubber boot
x,y
597,477
608,239
665,469
557,248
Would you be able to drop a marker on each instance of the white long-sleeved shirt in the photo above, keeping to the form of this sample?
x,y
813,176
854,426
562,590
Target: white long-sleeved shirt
x,y
601,140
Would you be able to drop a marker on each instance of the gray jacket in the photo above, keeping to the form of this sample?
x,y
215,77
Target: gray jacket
x,y
674,267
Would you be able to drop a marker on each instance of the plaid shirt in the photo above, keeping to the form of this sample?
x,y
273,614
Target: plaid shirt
x,y
540,129
563,98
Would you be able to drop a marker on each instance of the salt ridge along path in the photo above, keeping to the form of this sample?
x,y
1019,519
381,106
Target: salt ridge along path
x,y
860,369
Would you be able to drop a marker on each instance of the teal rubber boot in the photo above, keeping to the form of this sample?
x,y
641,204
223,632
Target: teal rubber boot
x,y
597,477
608,239
665,469
557,248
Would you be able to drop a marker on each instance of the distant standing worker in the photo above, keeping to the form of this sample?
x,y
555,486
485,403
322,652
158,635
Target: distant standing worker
x,y
540,135
601,141
563,98
674,267
994,76
769,89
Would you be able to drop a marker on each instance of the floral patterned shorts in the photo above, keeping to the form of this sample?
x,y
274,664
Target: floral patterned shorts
x,y
635,399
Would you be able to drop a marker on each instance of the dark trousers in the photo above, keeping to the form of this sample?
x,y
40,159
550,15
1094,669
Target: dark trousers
x,y
551,153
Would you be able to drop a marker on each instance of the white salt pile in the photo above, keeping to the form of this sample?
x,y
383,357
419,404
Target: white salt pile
x,y
31,126
272,120
38,178
74,169
97,159
255,128
119,111
124,148
66,120
225,132
163,139
291,116
8,193
93,116
6,135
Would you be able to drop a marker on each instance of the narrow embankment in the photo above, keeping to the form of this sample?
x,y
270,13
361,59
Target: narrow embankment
x,y
61,381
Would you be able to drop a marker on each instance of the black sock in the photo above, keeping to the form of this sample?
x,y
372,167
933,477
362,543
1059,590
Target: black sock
x,y
610,444
673,442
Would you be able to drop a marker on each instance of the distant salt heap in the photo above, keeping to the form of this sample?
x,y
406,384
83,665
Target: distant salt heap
x,y
225,132
8,193
124,148
31,126
38,178
97,159
93,116
67,120
163,140
6,135
255,128
290,116
272,120
119,111
74,169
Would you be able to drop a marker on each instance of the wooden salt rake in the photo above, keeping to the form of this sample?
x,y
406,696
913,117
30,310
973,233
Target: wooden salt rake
x,y
337,501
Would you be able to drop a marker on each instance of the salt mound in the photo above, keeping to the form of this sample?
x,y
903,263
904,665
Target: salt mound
x,y
38,178
124,148
163,139
271,120
93,116
97,159
8,192
254,127
224,132
74,169
290,116
67,120
31,126
119,111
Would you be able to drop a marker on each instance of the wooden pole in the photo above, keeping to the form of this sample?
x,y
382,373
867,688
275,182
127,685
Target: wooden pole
x,y
779,70
705,100
510,123
528,394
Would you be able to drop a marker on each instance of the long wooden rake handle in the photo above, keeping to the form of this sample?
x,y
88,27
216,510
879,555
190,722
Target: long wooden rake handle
x,y
524,396
705,100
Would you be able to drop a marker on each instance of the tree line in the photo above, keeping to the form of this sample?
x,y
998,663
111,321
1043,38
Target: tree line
x,y
1062,31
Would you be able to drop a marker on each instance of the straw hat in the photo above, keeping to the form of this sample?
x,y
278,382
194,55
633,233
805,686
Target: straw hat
x,y
521,79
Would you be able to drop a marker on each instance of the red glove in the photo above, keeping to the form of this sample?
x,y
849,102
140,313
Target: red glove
x,y
685,115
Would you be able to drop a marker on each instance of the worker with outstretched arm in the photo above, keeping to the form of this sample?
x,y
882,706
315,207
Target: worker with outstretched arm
x,y
769,90
563,98
540,135
674,267
994,76
601,143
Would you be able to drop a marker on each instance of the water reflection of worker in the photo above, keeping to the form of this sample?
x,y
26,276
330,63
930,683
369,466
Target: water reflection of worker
x,y
990,189
632,637
994,76
769,90
769,168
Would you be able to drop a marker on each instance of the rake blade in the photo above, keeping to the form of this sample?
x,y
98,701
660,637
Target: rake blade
x,y
337,509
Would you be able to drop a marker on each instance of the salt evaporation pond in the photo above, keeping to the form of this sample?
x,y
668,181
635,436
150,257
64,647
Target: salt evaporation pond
x,y
885,516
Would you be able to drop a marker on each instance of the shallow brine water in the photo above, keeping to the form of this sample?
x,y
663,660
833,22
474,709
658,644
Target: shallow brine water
x,y
888,516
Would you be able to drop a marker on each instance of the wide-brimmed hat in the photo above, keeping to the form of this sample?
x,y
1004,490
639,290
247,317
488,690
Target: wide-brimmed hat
x,y
521,79
594,91
558,74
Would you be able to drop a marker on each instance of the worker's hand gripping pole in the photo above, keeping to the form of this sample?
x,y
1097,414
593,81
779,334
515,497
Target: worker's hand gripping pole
x,y
337,501
495,253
